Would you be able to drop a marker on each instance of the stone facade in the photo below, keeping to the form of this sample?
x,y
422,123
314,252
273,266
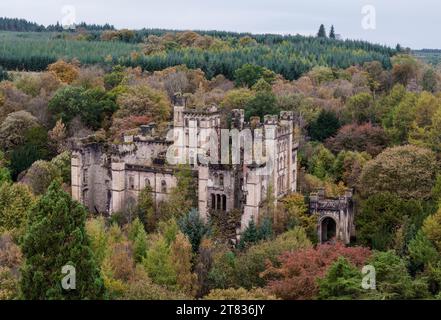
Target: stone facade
x,y
335,216
108,178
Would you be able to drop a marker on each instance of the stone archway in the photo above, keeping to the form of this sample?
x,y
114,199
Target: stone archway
x,y
328,228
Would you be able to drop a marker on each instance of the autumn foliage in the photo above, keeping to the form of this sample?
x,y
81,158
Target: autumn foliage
x,y
365,137
296,276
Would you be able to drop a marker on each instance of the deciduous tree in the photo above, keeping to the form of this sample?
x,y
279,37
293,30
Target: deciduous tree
x,y
296,275
407,171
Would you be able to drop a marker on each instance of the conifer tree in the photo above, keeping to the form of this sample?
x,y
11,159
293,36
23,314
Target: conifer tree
x,y
193,227
56,237
332,33
342,281
322,32
249,236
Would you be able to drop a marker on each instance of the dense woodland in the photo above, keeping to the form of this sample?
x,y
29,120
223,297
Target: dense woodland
x,y
367,117
214,52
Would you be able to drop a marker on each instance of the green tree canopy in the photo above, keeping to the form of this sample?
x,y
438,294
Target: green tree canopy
x,y
322,32
407,171
249,74
56,237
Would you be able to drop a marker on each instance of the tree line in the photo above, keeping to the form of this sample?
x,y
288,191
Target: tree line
x,y
23,25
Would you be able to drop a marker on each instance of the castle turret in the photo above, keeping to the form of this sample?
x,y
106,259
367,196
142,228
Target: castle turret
x,y
118,186
203,191
270,124
76,176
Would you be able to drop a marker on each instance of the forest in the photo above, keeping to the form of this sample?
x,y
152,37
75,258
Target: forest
x,y
368,117
215,53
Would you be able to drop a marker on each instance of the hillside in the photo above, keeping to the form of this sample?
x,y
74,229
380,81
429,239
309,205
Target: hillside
x,y
215,52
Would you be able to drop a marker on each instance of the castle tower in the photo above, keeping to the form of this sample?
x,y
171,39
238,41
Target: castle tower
x,y
179,134
118,186
287,121
252,190
203,176
76,175
270,124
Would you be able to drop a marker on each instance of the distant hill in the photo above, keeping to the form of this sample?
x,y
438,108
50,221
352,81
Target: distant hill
x,y
431,56
215,52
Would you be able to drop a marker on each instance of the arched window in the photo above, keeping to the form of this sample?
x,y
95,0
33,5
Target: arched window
x,y
131,183
163,186
147,183
224,202
216,179
221,180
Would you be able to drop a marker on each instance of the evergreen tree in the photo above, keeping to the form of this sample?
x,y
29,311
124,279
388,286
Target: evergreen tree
x,y
265,230
342,281
56,237
422,253
322,32
193,227
138,236
250,235
326,125
393,280
332,33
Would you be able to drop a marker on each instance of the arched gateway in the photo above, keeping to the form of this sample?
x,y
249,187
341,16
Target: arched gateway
x,y
335,216
328,229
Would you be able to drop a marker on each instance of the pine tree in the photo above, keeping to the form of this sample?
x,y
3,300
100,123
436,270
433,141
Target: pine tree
x,y
249,236
138,236
342,281
56,237
265,230
325,126
322,32
193,227
332,33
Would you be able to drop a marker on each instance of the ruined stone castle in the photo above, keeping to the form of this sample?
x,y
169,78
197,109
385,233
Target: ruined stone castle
x,y
108,178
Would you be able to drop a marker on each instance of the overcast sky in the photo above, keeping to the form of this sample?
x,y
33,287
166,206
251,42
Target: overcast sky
x,y
412,23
